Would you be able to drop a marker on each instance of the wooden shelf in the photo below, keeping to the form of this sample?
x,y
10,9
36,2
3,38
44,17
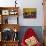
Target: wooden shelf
x,y
4,13
11,26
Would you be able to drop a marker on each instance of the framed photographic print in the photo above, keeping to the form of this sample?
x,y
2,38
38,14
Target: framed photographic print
x,y
5,12
29,12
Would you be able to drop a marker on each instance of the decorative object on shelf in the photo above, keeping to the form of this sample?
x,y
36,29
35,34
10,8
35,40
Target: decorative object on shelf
x,y
13,12
15,34
29,12
7,34
15,30
6,21
15,37
5,12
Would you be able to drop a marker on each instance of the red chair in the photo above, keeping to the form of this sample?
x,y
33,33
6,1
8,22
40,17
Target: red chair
x,y
29,33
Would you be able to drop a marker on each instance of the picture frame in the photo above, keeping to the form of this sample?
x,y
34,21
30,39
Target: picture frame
x,y
5,12
29,12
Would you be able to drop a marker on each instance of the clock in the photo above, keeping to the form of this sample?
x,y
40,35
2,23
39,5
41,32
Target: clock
x,y
5,12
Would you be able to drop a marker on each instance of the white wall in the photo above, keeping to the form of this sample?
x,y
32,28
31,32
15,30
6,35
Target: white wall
x,y
33,22
30,4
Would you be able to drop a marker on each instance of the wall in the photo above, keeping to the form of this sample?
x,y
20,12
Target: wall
x,y
33,22
30,4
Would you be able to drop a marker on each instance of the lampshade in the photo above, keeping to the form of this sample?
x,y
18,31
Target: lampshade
x,y
15,30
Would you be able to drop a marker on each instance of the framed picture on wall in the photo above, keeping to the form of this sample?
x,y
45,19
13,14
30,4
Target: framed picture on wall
x,y
29,12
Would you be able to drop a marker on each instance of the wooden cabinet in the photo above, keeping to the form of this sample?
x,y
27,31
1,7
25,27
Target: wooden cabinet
x,y
9,23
